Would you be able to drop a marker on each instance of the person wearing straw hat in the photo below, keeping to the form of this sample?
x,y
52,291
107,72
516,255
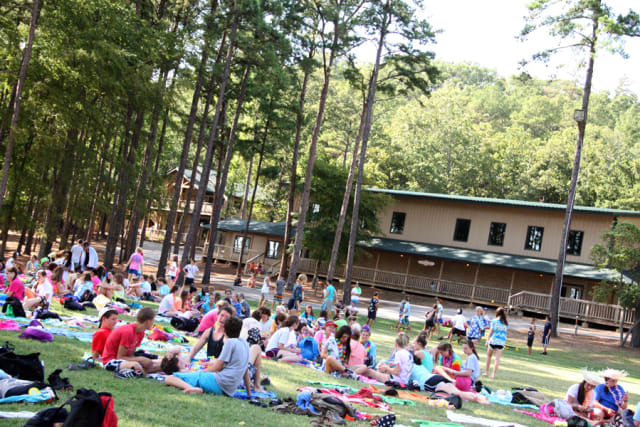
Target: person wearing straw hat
x,y
611,397
581,397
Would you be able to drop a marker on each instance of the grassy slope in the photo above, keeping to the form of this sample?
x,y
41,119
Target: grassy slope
x,y
145,402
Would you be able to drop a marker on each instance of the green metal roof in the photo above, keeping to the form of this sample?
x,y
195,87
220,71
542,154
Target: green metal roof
x,y
506,202
255,227
540,265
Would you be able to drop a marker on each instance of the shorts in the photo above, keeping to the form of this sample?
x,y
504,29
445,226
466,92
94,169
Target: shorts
x,y
172,278
496,347
205,380
405,320
530,340
328,305
371,315
272,353
277,299
134,271
458,332
545,340
432,383
264,295
113,365
428,324
188,281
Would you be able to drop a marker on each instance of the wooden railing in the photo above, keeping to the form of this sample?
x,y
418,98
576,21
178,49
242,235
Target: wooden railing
x,y
412,283
227,253
589,311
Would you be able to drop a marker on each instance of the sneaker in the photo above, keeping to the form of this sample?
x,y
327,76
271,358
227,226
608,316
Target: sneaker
x,y
125,374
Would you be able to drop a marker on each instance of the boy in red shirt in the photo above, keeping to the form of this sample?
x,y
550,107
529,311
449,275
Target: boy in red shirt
x,y
122,344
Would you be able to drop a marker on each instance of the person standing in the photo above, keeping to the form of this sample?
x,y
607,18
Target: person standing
x,y
190,271
134,267
76,256
439,316
264,291
89,258
497,339
477,325
373,309
355,294
277,297
329,297
546,335
531,334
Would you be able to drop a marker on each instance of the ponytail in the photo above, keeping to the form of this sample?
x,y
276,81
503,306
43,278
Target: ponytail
x,y
500,313
472,346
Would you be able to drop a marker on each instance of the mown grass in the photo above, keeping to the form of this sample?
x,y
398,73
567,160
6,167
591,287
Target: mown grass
x,y
146,402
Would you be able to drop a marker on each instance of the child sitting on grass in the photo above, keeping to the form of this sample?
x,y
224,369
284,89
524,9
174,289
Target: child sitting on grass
x,y
224,374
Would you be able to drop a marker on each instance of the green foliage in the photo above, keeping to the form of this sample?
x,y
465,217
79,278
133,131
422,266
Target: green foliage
x,y
621,253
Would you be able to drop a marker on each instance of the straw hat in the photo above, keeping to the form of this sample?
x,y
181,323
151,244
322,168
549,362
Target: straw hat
x,y
613,374
591,377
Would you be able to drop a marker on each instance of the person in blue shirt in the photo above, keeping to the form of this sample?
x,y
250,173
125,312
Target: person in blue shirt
x,y
611,398
85,288
496,340
546,334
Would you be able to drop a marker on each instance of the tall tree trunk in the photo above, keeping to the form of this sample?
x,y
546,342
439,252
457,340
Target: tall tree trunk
x,y
247,184
141,188
304,202
116,223
371,97
345,199
253,197
196,159
219,196
554,308
32,226
173,207
284,259
194,224
22,76
60,191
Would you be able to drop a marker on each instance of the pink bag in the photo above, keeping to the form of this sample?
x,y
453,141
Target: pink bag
x,y
464,383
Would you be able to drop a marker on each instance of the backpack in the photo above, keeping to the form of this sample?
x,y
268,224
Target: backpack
x,y
90,409
309,348
25,367
15,305
72,304
182,324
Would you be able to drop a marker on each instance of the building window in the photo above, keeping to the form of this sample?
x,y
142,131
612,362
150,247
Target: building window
x,y
574,242
461,233
273,249
220,238
397,223
237,245
534,238
496,233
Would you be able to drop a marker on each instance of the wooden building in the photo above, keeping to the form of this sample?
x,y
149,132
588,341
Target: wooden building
x,y
480,250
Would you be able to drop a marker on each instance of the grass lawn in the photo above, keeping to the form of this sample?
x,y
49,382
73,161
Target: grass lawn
x,y
146,402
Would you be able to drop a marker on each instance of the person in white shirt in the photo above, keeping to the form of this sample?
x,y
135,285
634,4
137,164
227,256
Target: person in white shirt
x,y
458,329
278,347
264,291
44,292
190,270
76,256
11,262
89,260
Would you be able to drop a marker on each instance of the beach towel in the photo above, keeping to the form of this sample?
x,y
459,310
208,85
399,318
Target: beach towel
x,y
468,419
45,395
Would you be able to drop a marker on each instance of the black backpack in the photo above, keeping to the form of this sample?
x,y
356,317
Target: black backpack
x,y
48,417
72,304
86,409
25,367
16,305
182,324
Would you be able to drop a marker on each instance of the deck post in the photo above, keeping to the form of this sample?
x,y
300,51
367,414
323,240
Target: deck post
x,y
375,271
406,276
475,281
513,279
440,276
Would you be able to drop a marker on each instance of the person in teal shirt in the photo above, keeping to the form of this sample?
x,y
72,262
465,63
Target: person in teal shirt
x,y
329,297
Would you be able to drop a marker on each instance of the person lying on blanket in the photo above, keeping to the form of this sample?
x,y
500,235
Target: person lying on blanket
x,y
423,378
400,369
122,343
224,374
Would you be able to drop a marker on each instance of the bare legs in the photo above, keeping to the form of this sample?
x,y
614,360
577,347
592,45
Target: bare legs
x,y
186,388
495,367
464,395
255,358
